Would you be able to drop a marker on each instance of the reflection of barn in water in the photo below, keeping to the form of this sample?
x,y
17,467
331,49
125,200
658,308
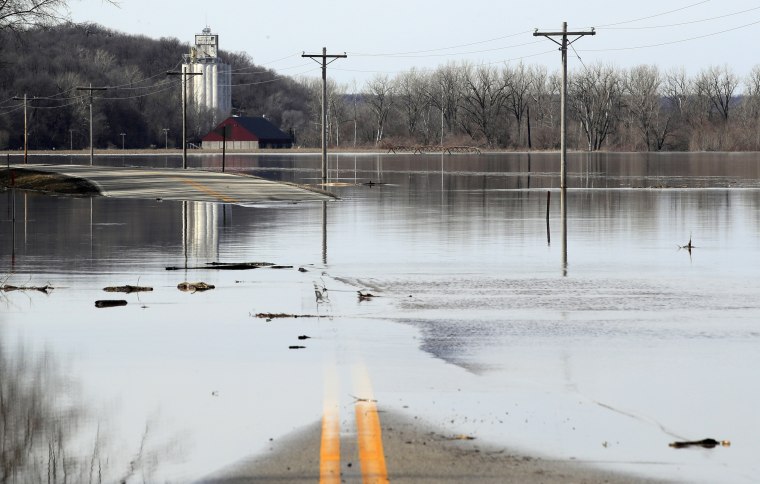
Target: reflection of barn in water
x,y
200,229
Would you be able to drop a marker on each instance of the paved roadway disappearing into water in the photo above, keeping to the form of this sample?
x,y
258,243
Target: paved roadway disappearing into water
x,y
174,184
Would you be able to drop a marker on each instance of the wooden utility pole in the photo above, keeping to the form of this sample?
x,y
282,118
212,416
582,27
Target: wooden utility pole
x,y
563,44
90,89
323,61
184,75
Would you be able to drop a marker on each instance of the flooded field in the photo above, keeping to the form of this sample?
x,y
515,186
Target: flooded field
x,y
600,349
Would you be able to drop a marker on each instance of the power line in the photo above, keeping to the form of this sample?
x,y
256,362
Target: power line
x,y
661,14
691,22
409,53
660,44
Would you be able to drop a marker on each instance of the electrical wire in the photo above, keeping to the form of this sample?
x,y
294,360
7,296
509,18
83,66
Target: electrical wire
x,y
661,14
410,53
681,23
680,41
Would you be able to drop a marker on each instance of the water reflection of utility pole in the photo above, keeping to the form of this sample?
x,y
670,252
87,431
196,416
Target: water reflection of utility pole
x,y
184,231
563,215
324,233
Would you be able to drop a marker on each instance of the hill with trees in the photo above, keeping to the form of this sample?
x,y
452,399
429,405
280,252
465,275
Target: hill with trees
x,y
49,63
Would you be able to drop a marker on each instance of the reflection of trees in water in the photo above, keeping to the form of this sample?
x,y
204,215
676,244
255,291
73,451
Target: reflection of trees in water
x,y
44,433
37,418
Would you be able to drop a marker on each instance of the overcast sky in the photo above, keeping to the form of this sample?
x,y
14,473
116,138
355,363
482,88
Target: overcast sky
x,y
391,36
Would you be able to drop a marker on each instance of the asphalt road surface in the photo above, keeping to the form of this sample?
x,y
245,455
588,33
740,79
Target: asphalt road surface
x,y
175,184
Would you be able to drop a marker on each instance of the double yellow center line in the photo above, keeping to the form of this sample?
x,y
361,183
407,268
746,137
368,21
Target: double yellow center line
x,y
369,437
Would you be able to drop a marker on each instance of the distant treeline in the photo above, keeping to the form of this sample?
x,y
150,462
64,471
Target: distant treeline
x,y
513,106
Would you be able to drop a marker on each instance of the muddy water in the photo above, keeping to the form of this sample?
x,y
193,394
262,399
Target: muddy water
x,y
603,353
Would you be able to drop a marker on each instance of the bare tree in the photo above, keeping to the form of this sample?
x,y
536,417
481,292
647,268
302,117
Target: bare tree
x,y
594,97
518,81
643,86
445,93
20,15
717,85
380,98
410,88
484,98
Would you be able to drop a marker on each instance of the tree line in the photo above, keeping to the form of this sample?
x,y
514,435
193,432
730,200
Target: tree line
x,y
517,107
513,106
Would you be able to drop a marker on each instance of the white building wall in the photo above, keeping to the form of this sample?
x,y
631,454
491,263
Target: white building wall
x,y
211,90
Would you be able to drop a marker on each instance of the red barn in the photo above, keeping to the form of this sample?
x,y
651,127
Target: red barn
x,y
247,133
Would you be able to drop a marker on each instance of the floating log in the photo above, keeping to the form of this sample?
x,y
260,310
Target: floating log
x,y
110,303
127,289
706,443
284,315
8,288
224,266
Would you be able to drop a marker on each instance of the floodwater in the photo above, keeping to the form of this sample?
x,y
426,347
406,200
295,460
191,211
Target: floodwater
x,y
602,348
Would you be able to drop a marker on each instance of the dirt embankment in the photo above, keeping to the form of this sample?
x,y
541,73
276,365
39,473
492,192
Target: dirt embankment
x,y
30,179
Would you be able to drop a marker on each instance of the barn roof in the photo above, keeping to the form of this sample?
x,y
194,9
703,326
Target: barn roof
x,y
248,129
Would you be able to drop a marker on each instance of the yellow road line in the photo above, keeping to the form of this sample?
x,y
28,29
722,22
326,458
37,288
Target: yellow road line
x,y
329,451
203,188
371,453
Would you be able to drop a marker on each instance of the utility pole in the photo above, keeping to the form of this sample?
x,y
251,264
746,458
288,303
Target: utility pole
x,y
26,128
122,140
166,138
71,140
323,62
184,75
563,44
90,89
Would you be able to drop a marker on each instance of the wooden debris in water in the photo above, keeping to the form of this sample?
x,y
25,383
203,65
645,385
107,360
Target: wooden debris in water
x,y
194,286
224,266
128,288
705,443
8,288
284,315
110,303
365,296
296,347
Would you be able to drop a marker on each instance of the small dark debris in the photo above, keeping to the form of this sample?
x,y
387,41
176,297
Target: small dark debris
x,y
303,336
706,443
295,347
110,303
365,296
280,267
301,269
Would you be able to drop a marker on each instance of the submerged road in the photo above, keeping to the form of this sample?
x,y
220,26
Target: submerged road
x,y
175,184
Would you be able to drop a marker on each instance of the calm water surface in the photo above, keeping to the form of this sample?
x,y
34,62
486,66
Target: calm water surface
x,y
603,353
